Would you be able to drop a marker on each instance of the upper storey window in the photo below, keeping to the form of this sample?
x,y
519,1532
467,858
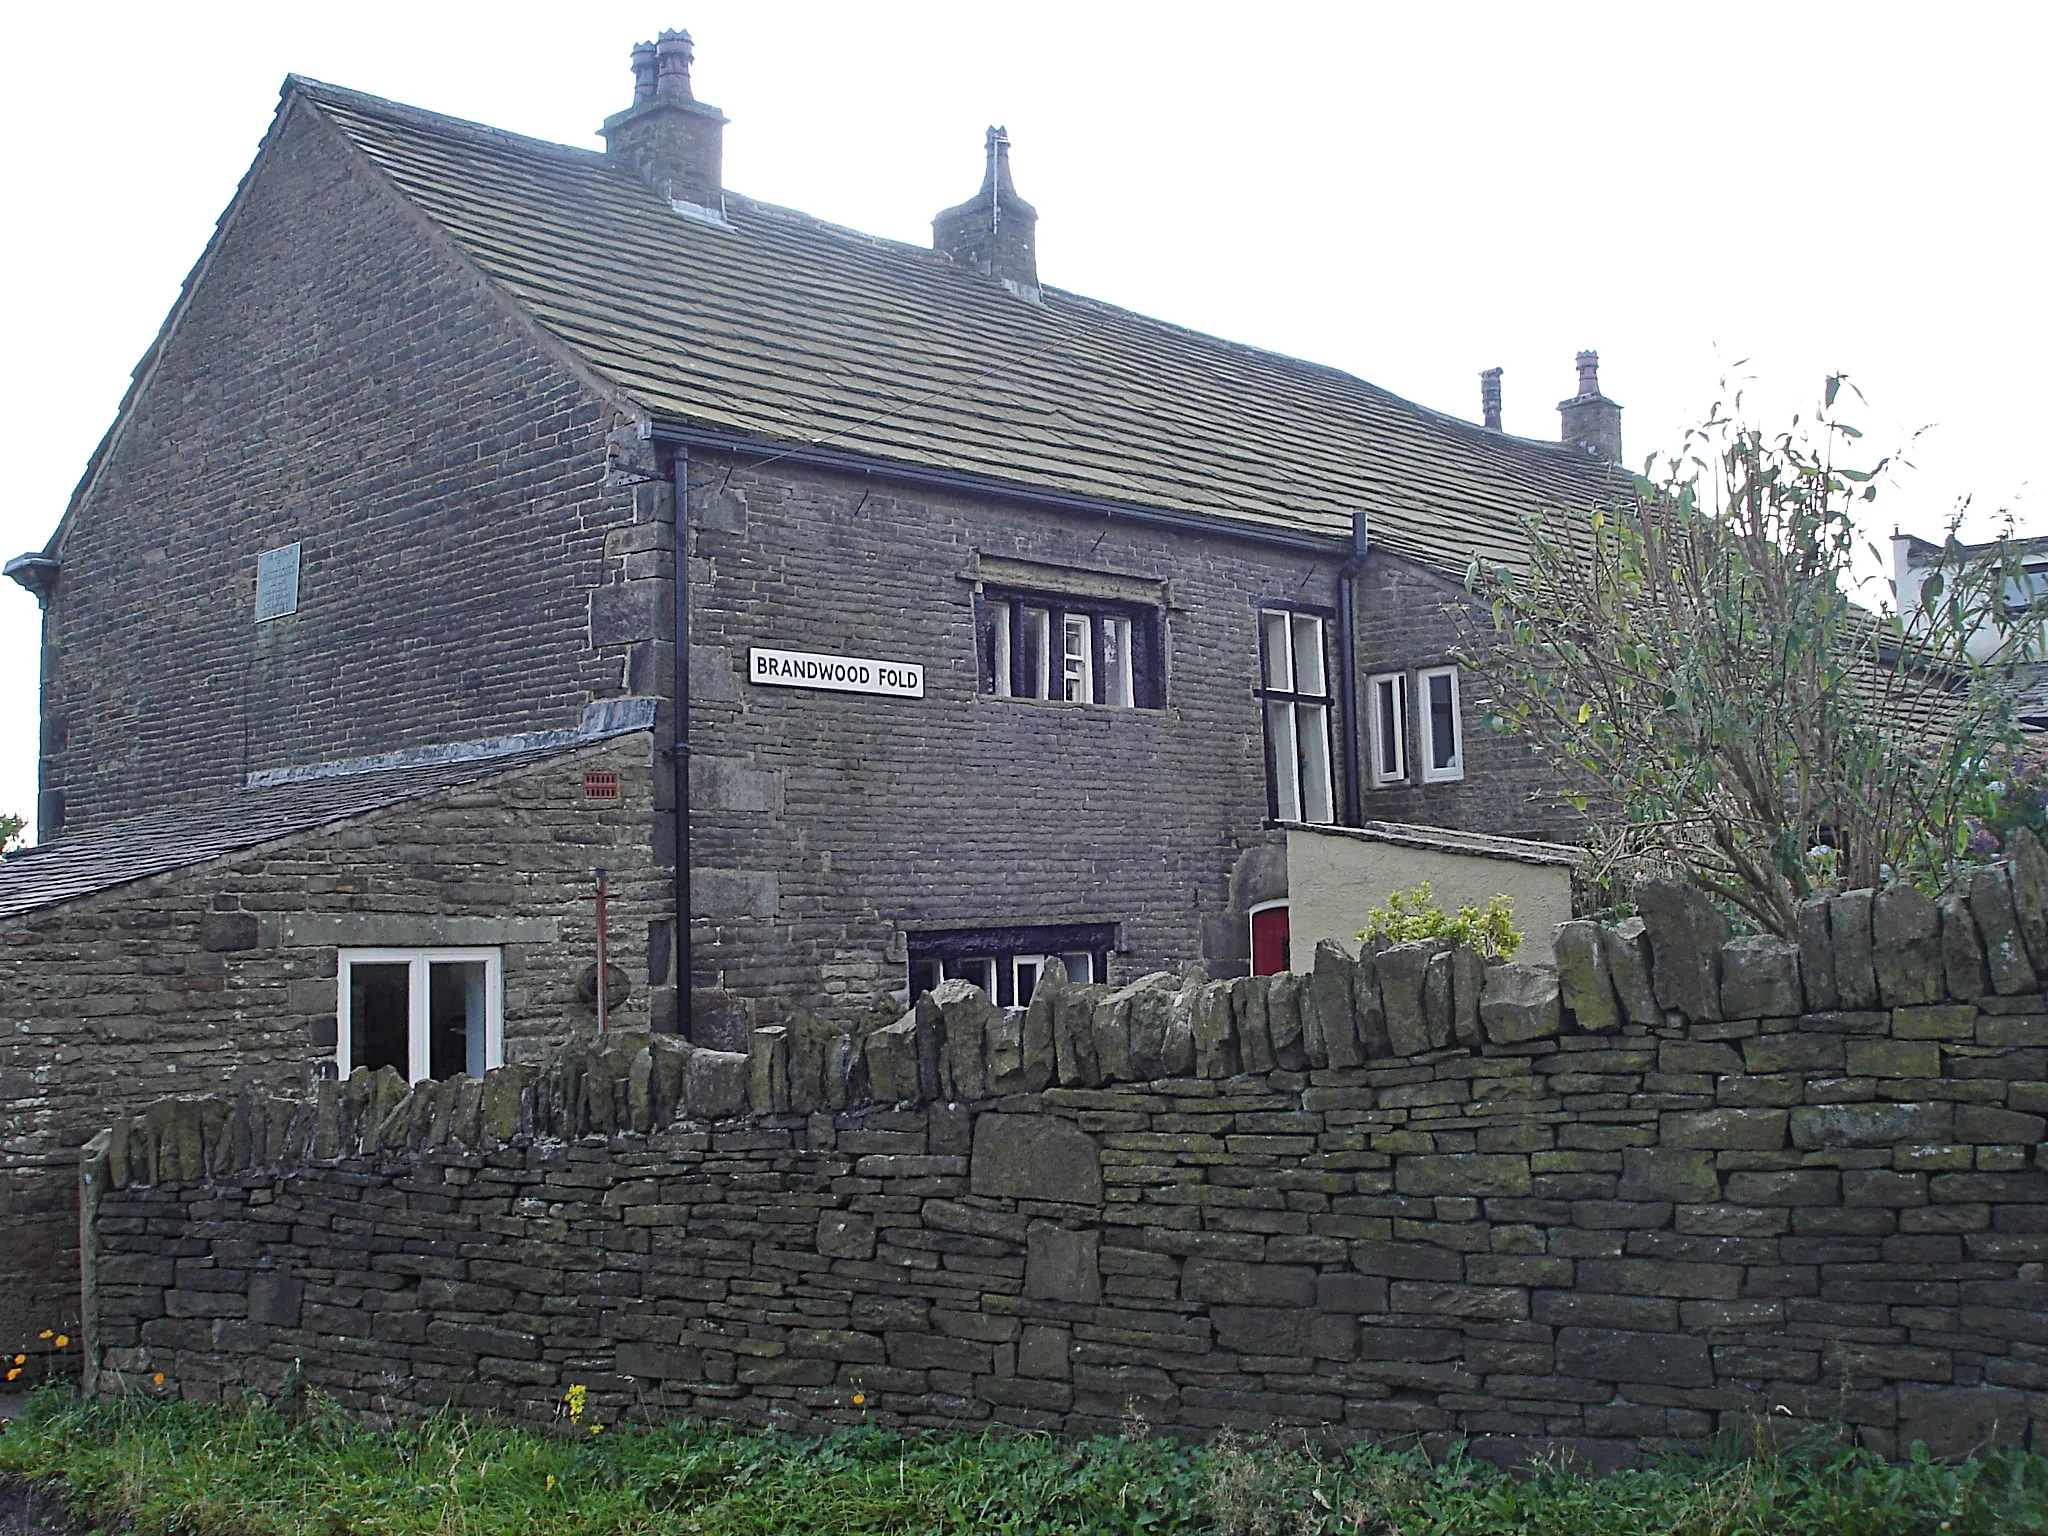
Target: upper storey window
x,y
1296,695
1415,732
1388,695
1035,646
1442,730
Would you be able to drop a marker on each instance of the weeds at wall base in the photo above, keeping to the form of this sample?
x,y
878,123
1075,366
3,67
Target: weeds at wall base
x,y
158,1468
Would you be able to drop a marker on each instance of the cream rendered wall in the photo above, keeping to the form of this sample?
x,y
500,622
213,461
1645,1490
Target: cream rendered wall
x,y
1333,880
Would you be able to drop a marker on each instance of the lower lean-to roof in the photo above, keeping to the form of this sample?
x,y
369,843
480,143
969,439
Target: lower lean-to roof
x,y
84,863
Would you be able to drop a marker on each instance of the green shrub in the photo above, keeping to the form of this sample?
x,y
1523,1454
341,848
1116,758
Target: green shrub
x,y
1416,914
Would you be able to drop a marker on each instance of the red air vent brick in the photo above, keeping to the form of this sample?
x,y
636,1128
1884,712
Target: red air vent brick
x,y
600,784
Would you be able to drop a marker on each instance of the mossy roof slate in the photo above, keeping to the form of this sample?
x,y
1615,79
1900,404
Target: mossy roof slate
x,y
788,330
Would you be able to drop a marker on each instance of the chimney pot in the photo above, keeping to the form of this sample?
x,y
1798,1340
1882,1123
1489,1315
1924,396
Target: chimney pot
x,y
671,140
995,231
1489,397
1590,419
673,56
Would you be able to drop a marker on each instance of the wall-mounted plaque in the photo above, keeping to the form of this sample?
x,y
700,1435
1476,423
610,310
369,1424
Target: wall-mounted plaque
x,y
841,674
277,583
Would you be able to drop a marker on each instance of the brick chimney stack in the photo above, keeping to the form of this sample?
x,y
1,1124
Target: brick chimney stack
x,y
1489,397
671,140
1590,419
994,232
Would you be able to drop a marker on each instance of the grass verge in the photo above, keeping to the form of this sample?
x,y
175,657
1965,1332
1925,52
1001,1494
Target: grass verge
x,y
170,1469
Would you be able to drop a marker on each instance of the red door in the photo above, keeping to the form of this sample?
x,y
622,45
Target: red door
x,y
1269,941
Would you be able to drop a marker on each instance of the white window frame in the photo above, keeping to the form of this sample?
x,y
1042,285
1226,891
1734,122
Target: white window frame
x,y
1077,686
1022,966
1113,631
999,629
417,1042
1432,773
1377,686
1299,766
1080,967
978,969
1038,627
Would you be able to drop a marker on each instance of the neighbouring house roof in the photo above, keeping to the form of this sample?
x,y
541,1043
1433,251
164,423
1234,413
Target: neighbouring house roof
x,y
80,864
789,330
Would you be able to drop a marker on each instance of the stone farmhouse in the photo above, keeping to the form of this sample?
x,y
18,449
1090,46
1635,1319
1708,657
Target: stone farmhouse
x,y
490,513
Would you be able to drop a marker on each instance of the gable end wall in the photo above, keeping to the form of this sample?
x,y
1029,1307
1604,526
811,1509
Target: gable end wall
x,y
340,380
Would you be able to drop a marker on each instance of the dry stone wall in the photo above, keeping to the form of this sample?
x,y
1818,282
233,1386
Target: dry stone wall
x,y
1678,1179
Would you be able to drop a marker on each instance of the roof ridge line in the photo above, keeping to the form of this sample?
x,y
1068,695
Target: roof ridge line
x,y
320,88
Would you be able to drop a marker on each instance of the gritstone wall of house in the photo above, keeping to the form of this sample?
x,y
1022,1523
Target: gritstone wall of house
x,y
1677,1180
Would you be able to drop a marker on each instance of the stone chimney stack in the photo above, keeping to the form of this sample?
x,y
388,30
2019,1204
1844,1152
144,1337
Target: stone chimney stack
x,y
1590,419
1489,397
672,141
994,232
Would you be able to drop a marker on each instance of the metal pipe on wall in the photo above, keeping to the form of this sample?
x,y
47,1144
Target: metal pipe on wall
x,y
680,755
1347,667
604,954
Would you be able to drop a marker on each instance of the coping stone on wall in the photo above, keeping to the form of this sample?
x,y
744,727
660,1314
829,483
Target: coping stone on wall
x,y
399,930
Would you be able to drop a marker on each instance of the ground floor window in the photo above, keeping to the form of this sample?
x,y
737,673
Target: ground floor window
x,y
1270,954
424,1012
1006,963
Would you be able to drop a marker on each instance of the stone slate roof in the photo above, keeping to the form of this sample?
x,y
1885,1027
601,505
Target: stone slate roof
x,y
2030,688
793,331
69,867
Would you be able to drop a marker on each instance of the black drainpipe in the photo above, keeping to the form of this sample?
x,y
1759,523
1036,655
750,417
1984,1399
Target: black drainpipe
x,y
1347,669
681,754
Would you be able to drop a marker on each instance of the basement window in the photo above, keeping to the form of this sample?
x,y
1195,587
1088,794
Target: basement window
x,y
427,1013
1443,734
1389,727
1040,647
1296,699
1007,963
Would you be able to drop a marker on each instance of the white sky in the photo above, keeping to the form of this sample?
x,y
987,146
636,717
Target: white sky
x,y
1412,193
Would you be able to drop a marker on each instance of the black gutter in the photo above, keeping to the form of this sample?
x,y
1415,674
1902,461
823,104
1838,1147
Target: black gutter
x,y
815,457
681,754
1347,668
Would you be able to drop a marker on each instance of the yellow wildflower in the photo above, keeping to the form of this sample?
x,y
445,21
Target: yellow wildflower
x,y
62,1340
158,1378
44,1334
